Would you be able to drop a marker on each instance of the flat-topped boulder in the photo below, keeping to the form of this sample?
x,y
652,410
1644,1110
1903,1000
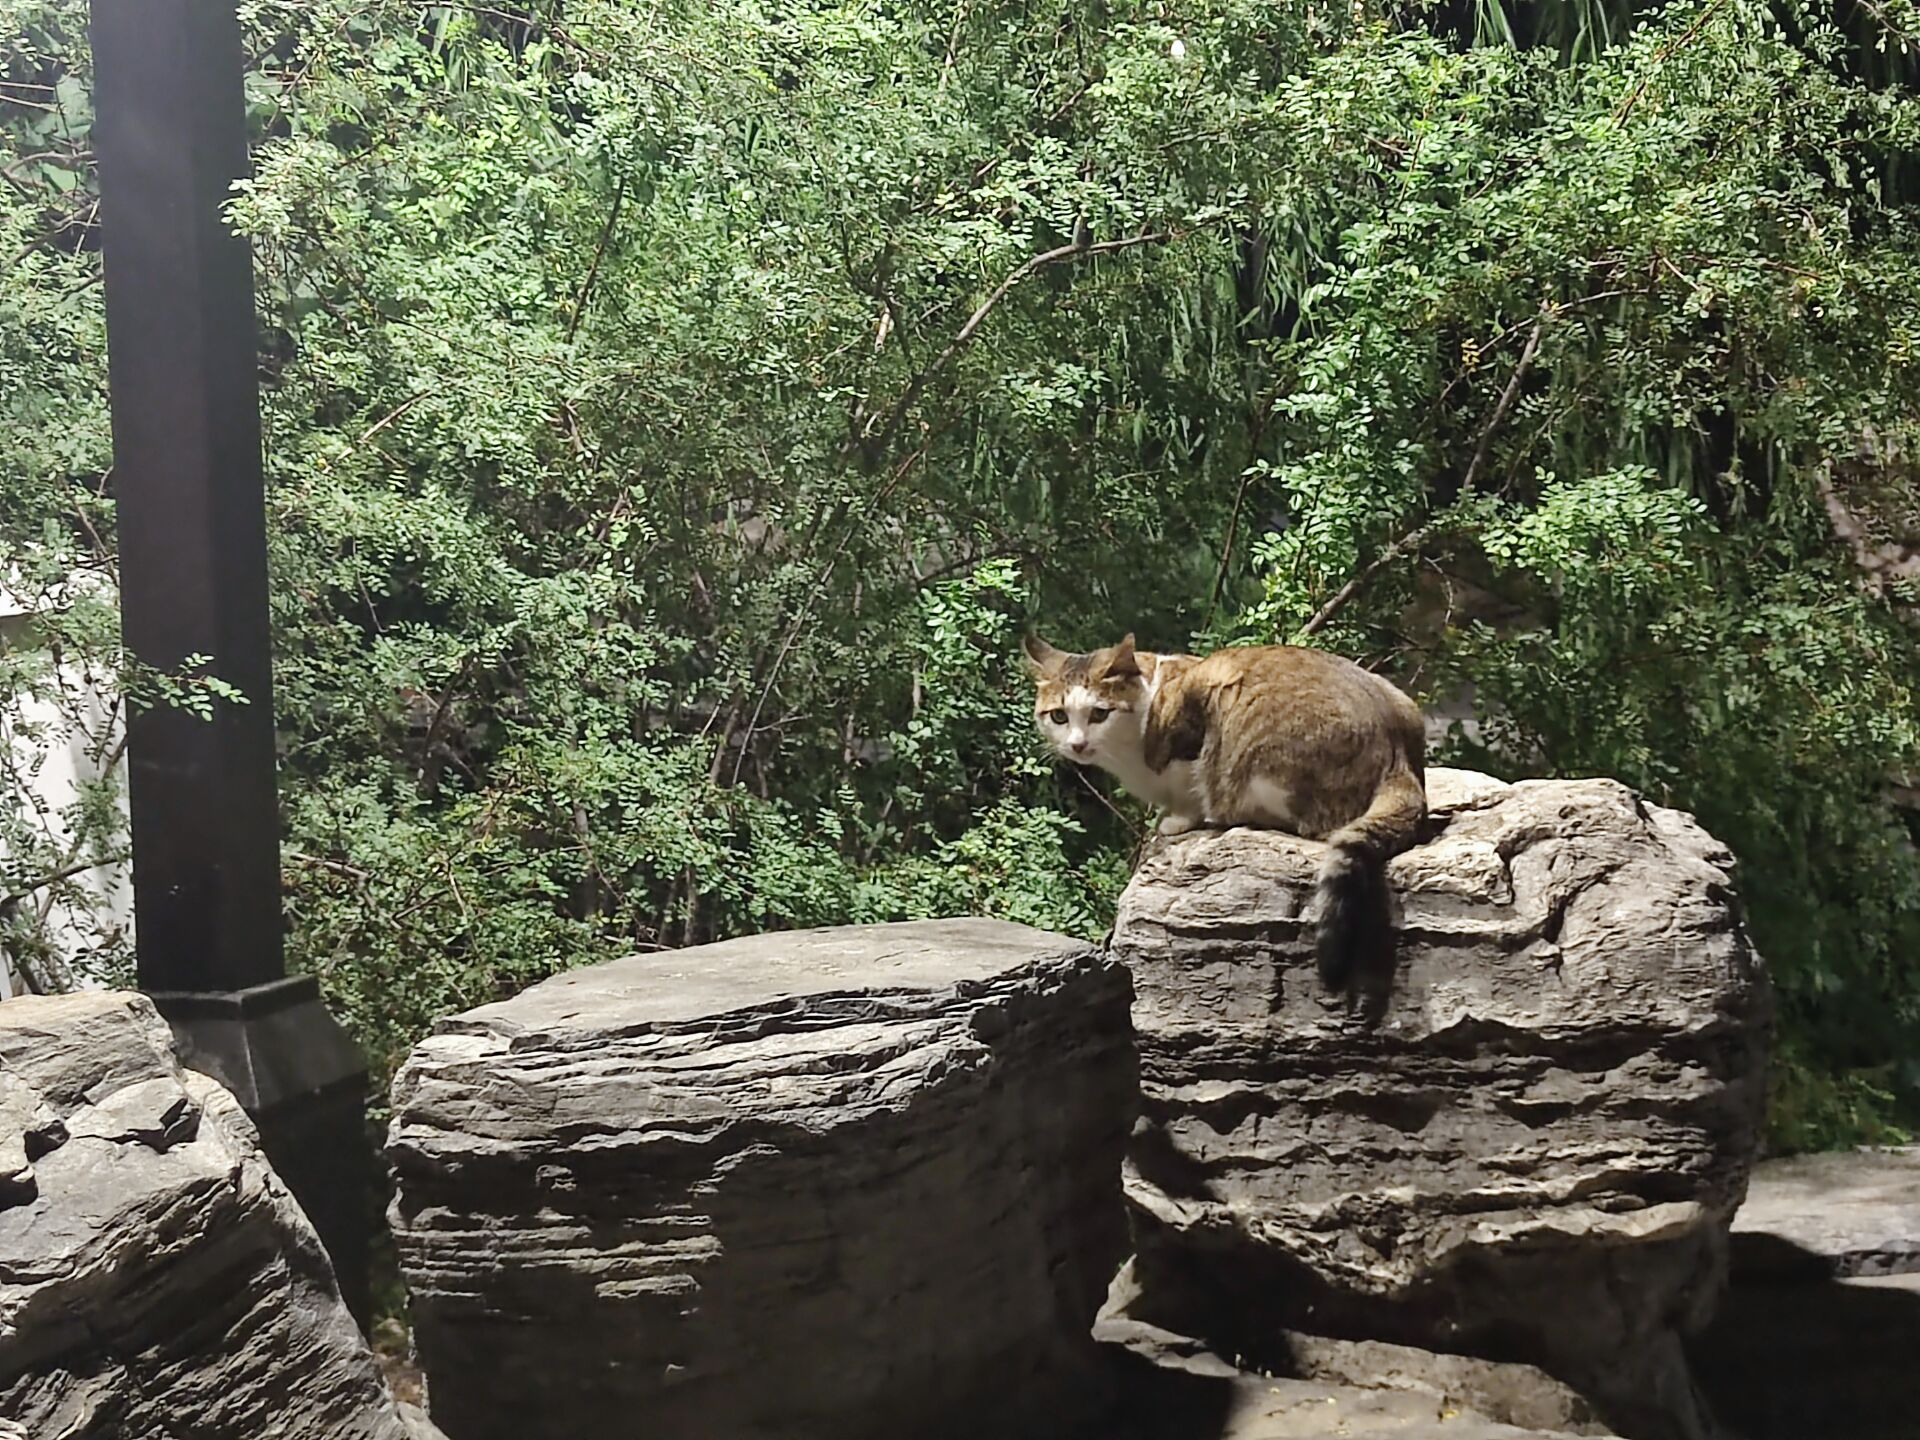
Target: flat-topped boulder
x,y
848,1182
156,1278
1834,1216
1523,1138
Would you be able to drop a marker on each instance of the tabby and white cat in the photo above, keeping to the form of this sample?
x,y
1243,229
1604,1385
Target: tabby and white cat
x,y
1271,735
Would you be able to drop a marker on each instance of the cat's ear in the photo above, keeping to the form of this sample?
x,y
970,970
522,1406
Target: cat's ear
x,y
1042,658
1123,662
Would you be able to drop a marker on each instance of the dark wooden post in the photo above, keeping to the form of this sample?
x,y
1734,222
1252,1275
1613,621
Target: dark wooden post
x,y
171,139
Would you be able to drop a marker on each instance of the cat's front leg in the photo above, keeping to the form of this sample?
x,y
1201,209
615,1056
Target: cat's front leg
x,y
1174,823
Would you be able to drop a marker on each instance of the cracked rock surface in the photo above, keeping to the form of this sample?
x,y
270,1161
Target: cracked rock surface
x,y
1523,1138
157,1281
848,1182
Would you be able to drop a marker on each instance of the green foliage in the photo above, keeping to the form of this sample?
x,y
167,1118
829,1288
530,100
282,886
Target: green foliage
x,y
54,453
1602,363
674,413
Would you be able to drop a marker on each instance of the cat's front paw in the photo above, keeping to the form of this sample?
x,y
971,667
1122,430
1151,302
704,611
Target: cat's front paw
x,y
1177,824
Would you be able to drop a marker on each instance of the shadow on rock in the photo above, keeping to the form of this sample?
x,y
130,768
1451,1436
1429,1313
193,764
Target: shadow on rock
x,y
1796,1355
1166,1402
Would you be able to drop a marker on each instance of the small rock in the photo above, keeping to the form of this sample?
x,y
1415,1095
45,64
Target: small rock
x,y
156,1113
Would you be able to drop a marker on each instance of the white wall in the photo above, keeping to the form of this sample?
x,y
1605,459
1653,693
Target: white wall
x,y
56,744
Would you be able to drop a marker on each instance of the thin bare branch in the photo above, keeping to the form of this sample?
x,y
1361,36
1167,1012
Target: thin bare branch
x,y
806,610
599,254
337,867
54,877
1416,537
1076,249
1662,55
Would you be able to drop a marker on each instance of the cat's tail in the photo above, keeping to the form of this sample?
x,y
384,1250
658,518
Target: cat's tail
x,y
1351,888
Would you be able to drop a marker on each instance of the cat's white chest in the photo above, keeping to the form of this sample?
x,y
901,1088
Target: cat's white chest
x,y
1174,788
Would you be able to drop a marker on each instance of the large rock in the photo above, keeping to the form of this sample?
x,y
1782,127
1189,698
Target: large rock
x,y
847,1183
1524,1140
157,1281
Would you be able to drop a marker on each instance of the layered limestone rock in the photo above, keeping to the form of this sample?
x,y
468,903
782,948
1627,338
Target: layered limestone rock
x,y
157,1281
1523,1138
848,1183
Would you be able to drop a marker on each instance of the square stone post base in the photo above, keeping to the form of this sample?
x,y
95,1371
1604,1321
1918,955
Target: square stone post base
x,y
302,1079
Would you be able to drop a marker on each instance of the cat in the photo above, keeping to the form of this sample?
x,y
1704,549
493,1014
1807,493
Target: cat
x,y
1269,735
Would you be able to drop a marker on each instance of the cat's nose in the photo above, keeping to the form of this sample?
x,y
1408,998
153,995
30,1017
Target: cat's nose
x,y
1079,747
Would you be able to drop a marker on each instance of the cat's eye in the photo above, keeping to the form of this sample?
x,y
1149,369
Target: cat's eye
x,y
1058,717
1099,714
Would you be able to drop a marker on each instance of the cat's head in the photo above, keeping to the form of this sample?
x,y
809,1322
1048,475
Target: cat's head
x,y
1089,707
